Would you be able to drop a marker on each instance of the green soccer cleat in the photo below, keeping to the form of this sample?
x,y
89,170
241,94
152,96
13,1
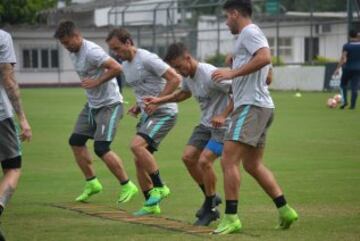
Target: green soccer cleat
x,y
128,191
147,210
91,187
156,195
287,216
229,224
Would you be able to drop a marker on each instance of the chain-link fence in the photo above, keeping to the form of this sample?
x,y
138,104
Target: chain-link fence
x,y
294,37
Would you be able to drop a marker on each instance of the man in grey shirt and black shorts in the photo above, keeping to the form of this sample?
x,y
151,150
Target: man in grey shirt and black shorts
x,y
100,116
148,75
206,142
251,118
10,149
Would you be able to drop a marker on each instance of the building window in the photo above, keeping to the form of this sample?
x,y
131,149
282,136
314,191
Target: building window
x,y
40,58
285,47
326,28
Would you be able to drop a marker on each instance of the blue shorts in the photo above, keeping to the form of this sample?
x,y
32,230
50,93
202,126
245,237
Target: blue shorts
x,y
215,147
207,137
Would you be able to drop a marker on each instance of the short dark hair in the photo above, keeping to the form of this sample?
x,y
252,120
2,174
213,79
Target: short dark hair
x,y
65,28
353,33
121,34
243,6
174,51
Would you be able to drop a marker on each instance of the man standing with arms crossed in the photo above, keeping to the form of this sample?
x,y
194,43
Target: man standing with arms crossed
x,y
10,150
206,142
99,118
148,75
252,116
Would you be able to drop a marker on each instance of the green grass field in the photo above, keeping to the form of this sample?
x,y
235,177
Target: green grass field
x,y
313,151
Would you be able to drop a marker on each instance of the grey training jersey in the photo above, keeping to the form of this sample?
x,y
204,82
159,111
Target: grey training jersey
x,y
143,74
7,56
212,97
250,89
87,62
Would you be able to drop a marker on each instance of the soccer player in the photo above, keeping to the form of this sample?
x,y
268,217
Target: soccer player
x,y
99,118
206,142
252,116
148,75
10,101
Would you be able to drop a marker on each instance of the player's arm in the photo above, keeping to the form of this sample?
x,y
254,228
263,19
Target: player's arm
x,y
112,69
13,93
342,61
172,82
177,96
261,58
219,120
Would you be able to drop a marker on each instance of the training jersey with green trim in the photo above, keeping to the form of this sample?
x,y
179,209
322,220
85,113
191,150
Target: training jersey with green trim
x,y
144,74
212,97
87,62
250,89
7,56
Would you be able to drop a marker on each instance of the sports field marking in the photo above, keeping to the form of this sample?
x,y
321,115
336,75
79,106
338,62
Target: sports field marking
x,y
121,215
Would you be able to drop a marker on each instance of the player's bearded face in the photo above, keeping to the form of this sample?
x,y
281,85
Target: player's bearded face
x,y
119,48
231,21
72,43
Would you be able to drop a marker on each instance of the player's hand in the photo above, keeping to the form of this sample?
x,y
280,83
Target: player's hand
x,y
148,100
268,80
26,132
134,111
89,83
222,74
336,72
218,121
150,108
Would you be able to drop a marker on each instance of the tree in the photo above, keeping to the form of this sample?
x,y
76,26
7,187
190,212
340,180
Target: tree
x,y
22,11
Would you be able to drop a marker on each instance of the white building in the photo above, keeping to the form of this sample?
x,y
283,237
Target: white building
x,y
328,34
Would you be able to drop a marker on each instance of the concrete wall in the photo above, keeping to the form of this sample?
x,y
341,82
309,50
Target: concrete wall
x,y
331,43
307,78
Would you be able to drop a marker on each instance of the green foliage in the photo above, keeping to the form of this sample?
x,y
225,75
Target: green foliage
x,y
277,61
317,5
323,60
22,11
216,60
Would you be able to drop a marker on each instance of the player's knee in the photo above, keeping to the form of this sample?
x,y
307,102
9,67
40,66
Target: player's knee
x,y
225,165
204,163
135,146
101,148
77,140
250,167
12,163
188,159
